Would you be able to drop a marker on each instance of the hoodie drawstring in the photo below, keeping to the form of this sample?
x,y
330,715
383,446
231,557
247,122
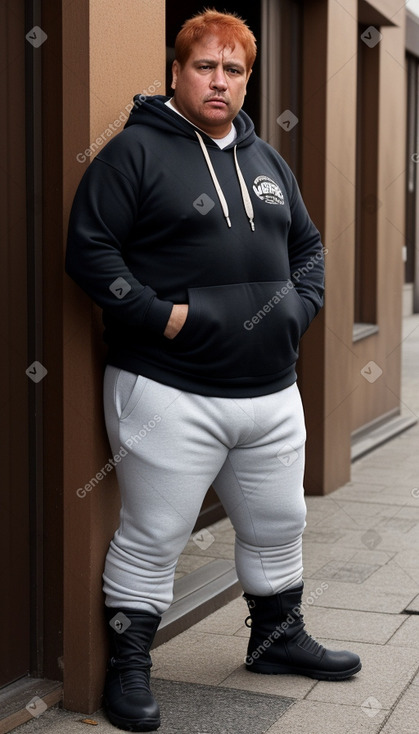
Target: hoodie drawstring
x,y
247,202
248,206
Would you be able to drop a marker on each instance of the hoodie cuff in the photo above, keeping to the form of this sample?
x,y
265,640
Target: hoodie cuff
x,y
158,315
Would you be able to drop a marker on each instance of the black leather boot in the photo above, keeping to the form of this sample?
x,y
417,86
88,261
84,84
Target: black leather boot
x,y
279,643
127,698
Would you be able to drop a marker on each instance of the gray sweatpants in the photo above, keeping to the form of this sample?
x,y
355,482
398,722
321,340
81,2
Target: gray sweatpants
x,y
173,445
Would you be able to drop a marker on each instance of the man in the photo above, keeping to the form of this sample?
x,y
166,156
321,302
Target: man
x,y
191,233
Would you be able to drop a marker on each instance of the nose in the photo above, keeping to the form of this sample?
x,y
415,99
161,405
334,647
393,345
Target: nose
x,y
218,80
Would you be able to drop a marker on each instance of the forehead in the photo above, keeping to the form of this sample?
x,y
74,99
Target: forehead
x,y
211,47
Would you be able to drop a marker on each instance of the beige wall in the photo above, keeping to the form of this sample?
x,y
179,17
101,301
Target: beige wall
x,y
127,39
112,49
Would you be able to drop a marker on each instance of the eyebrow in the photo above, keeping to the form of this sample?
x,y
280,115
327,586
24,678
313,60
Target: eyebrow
x,y
214,62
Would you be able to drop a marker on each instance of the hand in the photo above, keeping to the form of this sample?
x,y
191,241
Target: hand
x,y
176,321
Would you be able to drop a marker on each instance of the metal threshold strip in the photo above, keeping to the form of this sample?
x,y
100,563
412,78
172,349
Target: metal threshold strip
x,y
25,699
373,436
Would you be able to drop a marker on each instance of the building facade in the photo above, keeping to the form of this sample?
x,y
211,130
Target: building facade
x,y
329,91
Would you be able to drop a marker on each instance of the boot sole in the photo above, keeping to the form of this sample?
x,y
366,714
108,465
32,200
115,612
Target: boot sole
x,y
271,669
128,725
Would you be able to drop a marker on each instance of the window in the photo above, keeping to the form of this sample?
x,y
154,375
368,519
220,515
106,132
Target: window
x,y
412,165
281,86
367,202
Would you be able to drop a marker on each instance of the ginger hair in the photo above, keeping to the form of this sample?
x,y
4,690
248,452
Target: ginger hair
x,y
229,28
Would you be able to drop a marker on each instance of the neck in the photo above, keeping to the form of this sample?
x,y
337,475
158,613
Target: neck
x,y
207,132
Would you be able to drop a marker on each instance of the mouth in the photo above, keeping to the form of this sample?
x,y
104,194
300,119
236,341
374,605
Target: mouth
x,y
217,101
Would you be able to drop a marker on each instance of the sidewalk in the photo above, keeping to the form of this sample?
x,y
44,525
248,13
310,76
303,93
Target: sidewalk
x,y
362,542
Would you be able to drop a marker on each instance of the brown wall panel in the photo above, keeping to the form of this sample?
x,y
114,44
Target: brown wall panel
x,y
373,400
312,182
338,399
339,238
111,51
328,184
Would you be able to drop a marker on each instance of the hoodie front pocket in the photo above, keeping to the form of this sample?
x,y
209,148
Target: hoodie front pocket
x,y
242,330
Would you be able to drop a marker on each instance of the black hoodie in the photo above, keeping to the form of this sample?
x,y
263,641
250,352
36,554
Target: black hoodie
x,y
149,229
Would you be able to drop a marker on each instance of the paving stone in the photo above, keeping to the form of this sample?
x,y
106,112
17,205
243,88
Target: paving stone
x,y
198,709
415,681
341,595
400,494
371,555
389,463
406,716
407,559
316,555
198,657
408,512
400,524
408,633
66,722
312,717
185,709
389,540
386,671
381,475
292,686
359,492
413,606
189,563
318,510
243,631
356,516
393,577
352,625
346,571
224,530
225,621
315,535
215,550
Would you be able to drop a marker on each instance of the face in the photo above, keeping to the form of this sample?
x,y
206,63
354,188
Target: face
x,y
211,86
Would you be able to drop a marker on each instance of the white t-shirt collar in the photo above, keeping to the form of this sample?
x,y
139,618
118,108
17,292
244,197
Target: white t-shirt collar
x,y
221,142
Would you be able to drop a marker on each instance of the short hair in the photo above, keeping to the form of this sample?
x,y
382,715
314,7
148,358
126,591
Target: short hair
x,y
228,27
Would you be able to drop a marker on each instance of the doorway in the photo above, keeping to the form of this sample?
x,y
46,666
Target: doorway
x,y
15,620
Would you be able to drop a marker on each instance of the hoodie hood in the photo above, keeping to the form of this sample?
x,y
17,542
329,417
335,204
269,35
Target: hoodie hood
x,y
154,112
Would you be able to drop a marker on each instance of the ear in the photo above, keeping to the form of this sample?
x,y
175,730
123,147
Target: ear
x,y
247,79
175,72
